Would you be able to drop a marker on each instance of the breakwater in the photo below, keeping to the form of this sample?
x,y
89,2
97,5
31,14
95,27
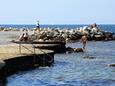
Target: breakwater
x,y
68,33
71,35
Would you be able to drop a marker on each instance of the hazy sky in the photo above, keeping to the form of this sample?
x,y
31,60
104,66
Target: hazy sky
x,y
57,11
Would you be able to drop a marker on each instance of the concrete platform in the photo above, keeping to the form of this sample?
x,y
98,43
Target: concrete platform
x,y
57,47
12,61
11,51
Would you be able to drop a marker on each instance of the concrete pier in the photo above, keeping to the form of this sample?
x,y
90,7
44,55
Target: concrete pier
x,y
57,47
12,61
21,56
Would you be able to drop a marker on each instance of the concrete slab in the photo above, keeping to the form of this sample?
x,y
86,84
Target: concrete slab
x,y
12,50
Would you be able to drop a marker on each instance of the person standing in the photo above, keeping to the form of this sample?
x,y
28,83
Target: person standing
x,y
37,24
84,40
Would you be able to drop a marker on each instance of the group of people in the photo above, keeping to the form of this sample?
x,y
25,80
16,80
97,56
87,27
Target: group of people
x,y
24,37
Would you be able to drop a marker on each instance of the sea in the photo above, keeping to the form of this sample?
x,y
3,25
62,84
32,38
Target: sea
x,y
90,68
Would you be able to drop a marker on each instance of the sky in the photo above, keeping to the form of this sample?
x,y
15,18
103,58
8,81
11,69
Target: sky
x,y
57,11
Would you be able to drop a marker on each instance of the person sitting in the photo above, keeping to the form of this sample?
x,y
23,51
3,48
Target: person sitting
x,y
94,28
26,37
21,38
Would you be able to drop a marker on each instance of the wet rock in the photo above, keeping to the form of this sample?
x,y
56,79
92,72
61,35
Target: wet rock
x,y
73,50
69,49
89,57
111,65
99,37
78,50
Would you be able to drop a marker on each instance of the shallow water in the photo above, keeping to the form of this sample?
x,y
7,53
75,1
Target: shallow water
x,y
76,69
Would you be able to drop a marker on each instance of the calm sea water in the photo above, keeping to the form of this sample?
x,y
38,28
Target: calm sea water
x,y
106,27
75,69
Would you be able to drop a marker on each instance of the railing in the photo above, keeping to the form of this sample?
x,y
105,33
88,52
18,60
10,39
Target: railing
x,y
25,48
44,53
33,46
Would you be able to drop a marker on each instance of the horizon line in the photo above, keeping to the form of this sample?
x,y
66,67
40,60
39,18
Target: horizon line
x,y
62,24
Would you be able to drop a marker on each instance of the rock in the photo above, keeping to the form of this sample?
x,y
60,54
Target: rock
x,y
69,49
40,40
62,39
89,57
111,65
72,35
69,52
78,50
